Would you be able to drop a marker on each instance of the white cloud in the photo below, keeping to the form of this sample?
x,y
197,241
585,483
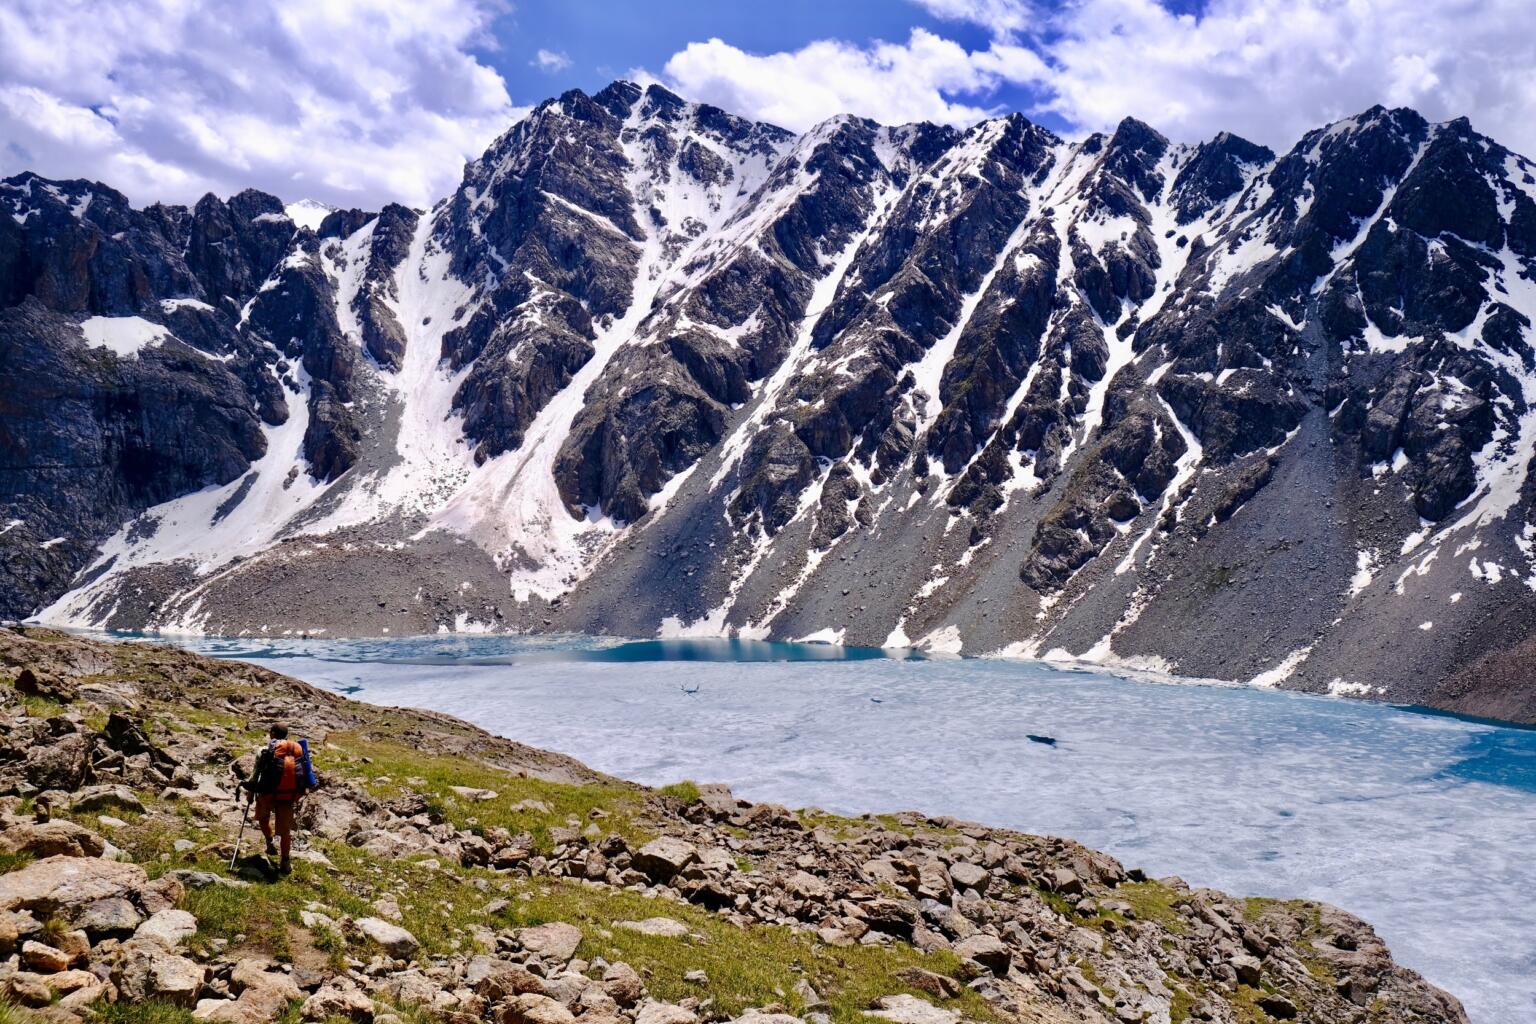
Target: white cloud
x,y
353,102
1272,70
922,79
550,61
1267,69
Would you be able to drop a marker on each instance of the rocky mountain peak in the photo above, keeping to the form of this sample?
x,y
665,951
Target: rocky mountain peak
x,y
654,367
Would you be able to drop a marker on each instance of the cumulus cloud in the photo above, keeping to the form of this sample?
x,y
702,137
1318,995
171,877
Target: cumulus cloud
x,y
1267,69
550,61
357,102
926,78
1272,70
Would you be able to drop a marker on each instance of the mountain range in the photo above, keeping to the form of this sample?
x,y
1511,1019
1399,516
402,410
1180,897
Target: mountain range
x,y
656,369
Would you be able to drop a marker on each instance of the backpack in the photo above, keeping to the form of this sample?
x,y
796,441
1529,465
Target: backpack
x,y
287,772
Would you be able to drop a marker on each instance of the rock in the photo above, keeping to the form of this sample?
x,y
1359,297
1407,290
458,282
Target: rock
x,y
653,1012
470,793
940,985
696,978
987,950
623,984
554,941
1248,969
1065,881
970,876
102,798
717,799
338,997
40,956
63,885
392,938
532,1008
264,996
52,839
807,886
906,1009
662,926
661,859
193,879
148,970
10,933
63,764
1277,1006
161,894
499,980
170,928
28,989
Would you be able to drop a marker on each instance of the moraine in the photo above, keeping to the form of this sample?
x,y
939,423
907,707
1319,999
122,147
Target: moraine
x,y
1419,822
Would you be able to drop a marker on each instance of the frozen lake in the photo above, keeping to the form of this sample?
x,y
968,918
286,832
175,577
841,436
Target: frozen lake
x,y
1424,825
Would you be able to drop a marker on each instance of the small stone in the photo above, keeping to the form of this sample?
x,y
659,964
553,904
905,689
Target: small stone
x,y
338,998
696,978
1277,1006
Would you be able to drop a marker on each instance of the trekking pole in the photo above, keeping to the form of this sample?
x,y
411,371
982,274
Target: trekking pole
x,y
239,836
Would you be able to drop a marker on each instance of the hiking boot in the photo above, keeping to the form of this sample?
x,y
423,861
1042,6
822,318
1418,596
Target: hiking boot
x,y
284,868
271,848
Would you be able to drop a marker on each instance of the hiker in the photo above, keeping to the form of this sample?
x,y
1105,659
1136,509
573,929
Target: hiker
x,y
282,776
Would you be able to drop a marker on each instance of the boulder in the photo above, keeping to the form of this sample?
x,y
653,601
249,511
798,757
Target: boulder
x,y
63,885
665,927
532,1008
46,959
103,798
555,941
623,984
338,998
170,928
1248,969
10,933
1065,881
940,985
498,980
807,886
906,1009
28,989
717,799
653,1012
970,876
63,764
51,839
987,950
147,970
392,938
114,917
661,859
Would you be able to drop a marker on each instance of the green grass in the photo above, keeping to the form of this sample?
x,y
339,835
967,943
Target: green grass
x,y
10,1013
686,791
383,767
746,966
14,862
150,1011
1156,902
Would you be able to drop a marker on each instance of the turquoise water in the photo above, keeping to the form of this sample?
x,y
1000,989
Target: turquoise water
x,y
1423,824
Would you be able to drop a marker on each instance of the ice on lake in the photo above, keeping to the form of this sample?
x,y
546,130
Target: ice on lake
x,y
1422,824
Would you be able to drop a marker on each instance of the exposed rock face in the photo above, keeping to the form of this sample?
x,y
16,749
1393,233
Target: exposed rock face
x,y
1206,408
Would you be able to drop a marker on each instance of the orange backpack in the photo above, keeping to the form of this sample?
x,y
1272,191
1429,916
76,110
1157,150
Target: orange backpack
x,y
288,758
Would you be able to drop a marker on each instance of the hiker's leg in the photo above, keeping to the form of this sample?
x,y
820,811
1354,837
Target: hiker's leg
x,y
264,820
285,829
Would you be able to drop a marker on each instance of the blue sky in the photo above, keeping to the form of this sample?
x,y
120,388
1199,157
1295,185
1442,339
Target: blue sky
x,y
605,40
367,101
